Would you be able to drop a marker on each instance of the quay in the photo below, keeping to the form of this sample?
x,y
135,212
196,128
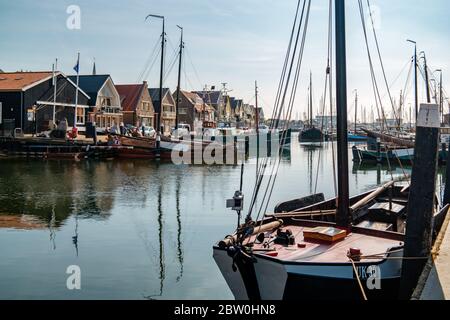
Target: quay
x,y
434,283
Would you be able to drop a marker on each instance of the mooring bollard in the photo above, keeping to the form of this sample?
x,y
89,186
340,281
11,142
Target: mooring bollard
x,y
419,223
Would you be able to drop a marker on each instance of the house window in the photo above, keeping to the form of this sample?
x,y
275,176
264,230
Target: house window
x,y
80,116
106,102
146,106
183,111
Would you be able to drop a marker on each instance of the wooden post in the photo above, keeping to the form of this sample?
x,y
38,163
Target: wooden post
x,y
447,178
421,198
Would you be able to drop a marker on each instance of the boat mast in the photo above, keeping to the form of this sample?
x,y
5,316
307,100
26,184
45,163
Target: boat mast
x,y
427,78
415,79
343,212
257,129
55,83
356,109
179,81
310,101
158,119
400,110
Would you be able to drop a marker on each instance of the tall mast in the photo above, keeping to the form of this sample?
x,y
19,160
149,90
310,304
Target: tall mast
x,y
356,109
257,129
310,101
161,75
158,119
416,94
343,212
441,98
256,110
427,78
76,92
400,109
55,80
179,80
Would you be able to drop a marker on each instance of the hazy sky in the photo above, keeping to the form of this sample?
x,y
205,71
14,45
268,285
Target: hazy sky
x,y
234,41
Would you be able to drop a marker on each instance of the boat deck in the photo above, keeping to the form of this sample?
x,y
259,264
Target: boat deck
x,y
319,251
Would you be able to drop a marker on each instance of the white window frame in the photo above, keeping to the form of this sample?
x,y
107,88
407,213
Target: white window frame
x,y
83,116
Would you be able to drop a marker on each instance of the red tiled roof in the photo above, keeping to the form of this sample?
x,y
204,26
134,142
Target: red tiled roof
x,y
129,95
16,81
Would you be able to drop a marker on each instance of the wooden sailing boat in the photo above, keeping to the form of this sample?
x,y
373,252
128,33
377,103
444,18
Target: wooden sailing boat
x,y
310,133
317,249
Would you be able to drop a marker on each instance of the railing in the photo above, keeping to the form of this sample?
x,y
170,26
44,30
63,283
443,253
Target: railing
x,y
168,115
110,109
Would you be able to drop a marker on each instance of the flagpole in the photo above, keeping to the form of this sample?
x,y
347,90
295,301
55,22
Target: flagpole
x,y
76,94
55,82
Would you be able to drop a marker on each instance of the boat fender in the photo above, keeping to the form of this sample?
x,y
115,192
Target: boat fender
x,y
285,238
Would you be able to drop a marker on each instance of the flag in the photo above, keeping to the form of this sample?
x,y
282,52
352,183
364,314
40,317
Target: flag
x,y
77,66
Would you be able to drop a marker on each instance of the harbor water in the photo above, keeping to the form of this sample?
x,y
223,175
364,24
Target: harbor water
x,y
139,229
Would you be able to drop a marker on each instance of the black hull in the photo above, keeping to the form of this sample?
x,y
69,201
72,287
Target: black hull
x,y
311,135
300,288
291,286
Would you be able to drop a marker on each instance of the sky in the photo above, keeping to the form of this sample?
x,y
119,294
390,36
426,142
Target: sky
x,y
234,41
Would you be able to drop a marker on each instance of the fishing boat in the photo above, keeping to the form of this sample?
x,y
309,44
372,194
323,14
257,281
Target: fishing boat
x,y
311,249
356,137
304,254
310,133
389,154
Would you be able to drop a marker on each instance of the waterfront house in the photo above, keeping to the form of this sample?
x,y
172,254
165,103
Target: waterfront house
x,y
216,100
237,111
137,106
192,110
27,101
104,103
260,115
168,114
249,115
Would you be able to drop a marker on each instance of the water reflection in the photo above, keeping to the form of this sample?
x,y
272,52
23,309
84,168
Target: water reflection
x,y
138,229
179,243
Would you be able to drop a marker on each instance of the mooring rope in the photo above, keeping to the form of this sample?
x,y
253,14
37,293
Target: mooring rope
x,y
363,293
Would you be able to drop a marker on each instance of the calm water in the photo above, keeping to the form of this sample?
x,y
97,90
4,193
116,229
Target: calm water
x,y
144,230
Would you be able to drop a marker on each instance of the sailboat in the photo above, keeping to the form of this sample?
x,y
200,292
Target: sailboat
x,y
344,248
310,133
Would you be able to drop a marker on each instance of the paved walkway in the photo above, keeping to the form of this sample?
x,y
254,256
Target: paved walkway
x,y
437,285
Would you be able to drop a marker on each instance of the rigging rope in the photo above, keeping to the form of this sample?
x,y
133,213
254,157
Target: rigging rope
x,y
263,164
377,95
150,58
381,60
274,174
